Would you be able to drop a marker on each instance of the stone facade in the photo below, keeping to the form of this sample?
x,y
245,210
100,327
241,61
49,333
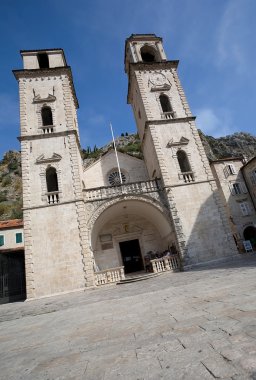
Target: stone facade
x,y
80,220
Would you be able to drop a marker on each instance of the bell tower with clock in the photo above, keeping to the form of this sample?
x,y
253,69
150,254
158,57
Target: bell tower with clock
x,y
173,152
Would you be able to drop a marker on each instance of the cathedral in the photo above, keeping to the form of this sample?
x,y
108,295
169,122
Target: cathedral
x,y
86,225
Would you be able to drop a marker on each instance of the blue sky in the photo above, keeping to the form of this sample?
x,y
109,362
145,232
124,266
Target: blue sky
x,y
213,39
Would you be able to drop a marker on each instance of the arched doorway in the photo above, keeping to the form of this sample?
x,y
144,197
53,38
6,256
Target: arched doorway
x,y
250,234
126,231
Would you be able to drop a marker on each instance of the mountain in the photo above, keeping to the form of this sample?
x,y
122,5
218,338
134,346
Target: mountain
x,y
236,145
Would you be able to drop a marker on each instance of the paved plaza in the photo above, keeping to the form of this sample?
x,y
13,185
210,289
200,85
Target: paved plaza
x,y
199,324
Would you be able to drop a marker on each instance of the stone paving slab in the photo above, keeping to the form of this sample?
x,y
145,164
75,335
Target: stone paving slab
x,y
199,324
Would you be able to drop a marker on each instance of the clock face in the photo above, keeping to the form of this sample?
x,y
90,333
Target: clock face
x,y
157,79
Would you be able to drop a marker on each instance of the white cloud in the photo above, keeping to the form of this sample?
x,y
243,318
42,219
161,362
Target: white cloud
x,y
234,36
97,120
212,124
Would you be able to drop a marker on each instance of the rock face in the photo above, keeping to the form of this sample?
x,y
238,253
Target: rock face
x,y
236,145
10,186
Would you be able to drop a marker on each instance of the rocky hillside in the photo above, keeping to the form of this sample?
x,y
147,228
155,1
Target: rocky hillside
x,y
234,145
10,186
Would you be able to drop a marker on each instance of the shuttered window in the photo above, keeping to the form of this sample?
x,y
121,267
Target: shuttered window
x,y
245,208
18,237
1,240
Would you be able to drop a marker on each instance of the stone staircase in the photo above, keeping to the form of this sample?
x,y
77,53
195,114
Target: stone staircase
x,y
137,276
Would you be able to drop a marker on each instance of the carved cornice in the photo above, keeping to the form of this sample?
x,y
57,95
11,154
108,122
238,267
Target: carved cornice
x,y
53,71
149,66
38,99
170,121
48,135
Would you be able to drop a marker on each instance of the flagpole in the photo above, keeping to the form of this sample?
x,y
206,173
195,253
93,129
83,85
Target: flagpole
x,y
118,166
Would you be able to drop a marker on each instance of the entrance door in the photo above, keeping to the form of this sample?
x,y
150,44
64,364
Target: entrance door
x,y
131,255
250,234
12,277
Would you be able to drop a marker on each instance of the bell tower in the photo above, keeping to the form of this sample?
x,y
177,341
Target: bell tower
x,y
173,151
57,254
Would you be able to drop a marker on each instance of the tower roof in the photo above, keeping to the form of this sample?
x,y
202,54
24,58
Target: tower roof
x,y
48,50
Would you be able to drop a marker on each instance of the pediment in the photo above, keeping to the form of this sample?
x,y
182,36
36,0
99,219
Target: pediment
x,y
54,158
38,99
182,141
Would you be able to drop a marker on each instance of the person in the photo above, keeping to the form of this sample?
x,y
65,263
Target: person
x,y
147,263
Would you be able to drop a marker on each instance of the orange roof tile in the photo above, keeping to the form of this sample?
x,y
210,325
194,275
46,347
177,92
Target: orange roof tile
x,y
14,223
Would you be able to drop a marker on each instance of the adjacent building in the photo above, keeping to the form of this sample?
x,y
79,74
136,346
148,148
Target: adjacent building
x,y
12,267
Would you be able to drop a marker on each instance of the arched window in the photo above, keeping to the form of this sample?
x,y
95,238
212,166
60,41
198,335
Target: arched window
x,y
165,103
148,54
183,161
186,174
51,180
43,60
46,113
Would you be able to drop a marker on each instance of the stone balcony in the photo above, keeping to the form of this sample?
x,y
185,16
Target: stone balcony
x,y
106,192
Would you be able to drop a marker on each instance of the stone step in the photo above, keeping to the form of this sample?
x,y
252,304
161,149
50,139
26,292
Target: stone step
x,y
130,279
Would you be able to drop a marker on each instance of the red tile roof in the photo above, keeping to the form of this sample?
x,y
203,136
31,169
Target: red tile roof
x,y
14,223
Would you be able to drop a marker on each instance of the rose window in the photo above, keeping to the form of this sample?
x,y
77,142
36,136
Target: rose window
x,y
114,178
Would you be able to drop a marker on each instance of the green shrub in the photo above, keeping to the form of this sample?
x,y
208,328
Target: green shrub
x,y
4,209
3,197
6,181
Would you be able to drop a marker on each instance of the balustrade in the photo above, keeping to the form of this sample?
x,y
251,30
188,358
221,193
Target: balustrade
x,y
53,197
187,176
48,129
109,276
165,264
126,188
169,115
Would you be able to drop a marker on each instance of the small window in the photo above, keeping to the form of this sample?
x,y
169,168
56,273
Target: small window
x,y
245,208
51,180
253,177
229,170
1,240
43,60
46,113
238,188
18,238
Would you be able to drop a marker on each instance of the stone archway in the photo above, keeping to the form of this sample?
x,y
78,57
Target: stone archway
x,y
128,220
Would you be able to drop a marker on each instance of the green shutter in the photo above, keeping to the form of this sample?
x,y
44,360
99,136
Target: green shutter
x,y
1,240
19,238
